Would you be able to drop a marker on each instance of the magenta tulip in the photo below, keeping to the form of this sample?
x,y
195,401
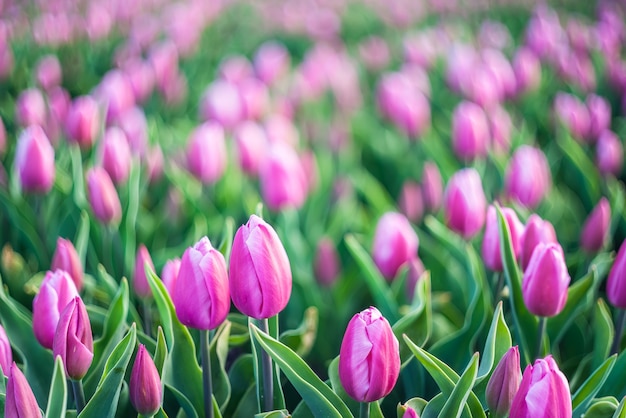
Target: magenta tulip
x,y
491,241
115,155
503,384
595,230
537,231
527,69
470,131
48,72
395,242
283,180
73,340
411,202
145,389
546,280
432,186
82,123
66,258
140,281
20,400
271,62
599,115
6,355
222,103
30,108
169,274
326,265
103,197
34,160
206,152
609,153
251,143
616,283
527,179
464,203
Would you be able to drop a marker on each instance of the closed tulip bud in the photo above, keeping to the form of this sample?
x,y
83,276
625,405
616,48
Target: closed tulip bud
x,y
283,180
206,152
116,91
83,121
609,153
30,108
66,258
411,202
470,131
103,197
56,291
414,274
140,281
432,187
73,340
545,282
464,203
6,355
222,103
115,155
20,400
326,265
280,129
201,293
572,113
145,384
235,69
491,240
260,274
34,160
169,274
134,124
271,62
255,97
409,412
616,283
536,231
250,142
48,72
544,392
599,115
369,359
503,384
527,69
527,179
500,125
154,163
596,227
395,243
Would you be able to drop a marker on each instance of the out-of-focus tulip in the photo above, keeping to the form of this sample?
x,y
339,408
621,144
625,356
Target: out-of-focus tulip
x,y
260,274
326,265
169,274
470,131
491,240
527,69
83,121
283,180
48,72
30,108
102,195
134,124
536,231
374,53
599,115
20,399
416,269
501,70
255,97
115,155
369,358
464,203
34,160
73,340
504,383
141,77
280,129
409,412
545,282
271,62
222,102
206,152
66,258
432,186
154,163
145,388
411,202
500,125
616,283
235,69
164,59
116,92
3,138
250,142
201,293
544,392
572,113
609,153
6,355
56,291
527,177
596,227
395,242
140,281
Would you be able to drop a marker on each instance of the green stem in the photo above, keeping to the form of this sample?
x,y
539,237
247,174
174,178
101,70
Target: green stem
x,y
365,410
206,374
268,375
541,330
619,331
79,394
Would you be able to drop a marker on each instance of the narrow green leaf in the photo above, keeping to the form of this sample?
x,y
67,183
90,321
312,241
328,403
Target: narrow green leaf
x,y
603,408
603,333
130,226
615,384
301,339
81,240
372,190
227,238
218,350
498,342
579,299
320,398
621,409
335,384
585,394
417,323
78,176
462,390
241,377
588,174
279,397
57,398
160,353
283,413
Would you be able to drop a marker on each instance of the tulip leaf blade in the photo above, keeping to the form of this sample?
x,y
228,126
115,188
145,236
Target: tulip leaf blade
x,y
218,351
589,175
82,237
371,189
604,333
183,401
497,344
301,339
227,238
318,396
104,401
281,413
241,378
57,399
603,408
461,392
620,412
335,384
160,353
130,214
585,394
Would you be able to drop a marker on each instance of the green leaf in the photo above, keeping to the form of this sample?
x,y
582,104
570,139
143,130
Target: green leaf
x,y
621,409
372,190
417,322
241,377
283,413
603,333
58,391
257,354
462,390
320,398
227,238
377,285
160,354
104,401
585,394
130,226
418,404
497,344
580,158
335,384
218,351
301,339
602,408
82,237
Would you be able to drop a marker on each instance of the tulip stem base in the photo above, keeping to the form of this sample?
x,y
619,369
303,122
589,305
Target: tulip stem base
x,y
79,394
541,330
619,331
207,384
364,410
268,375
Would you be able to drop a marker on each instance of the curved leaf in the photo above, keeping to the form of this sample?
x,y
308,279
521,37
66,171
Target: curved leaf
x,y
462,390
57,400
417,323
603,333
585,394
498,342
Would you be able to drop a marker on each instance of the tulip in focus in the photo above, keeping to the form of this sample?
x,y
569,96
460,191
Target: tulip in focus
x,y
201,293
546,280
609,153
140,281
369,359
73,340
464,203
491,253
34,160
282,177
102,195
503,384
169,274
206,152
115,155
470,131
326,265
395,242
595,230
536,231
616,283
145,389
260,273
66,258
543,392
6,355
20,400
527,177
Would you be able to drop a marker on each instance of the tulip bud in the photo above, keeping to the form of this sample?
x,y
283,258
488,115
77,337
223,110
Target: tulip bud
x,y
102,196
409,412
395,243
140,281
527,177
255,97
491,240
616,283
6,355
20,399
609,153
573,114
83,121
599,115
145,384
527,69
30,108
411,202
374,53
464,203
222,103
206,152
537,231
3,138
416,270
545,282
543,392
503,384
271,62
280,129
66,258
432,187
73,340
169,274
201,294
470,131
260,274
326,265
116,91
596,227
235,69
115,155
154,163
369,359
500,125
34,160
282,177
134,124
48,72
250,142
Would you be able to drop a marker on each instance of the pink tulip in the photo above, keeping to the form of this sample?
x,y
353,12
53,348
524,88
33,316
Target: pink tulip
x,y
66,258
140,280
115,155
250,143
73,340
504,383
537,231
616,283
464,203
134,124
609,153
491,241
395,243
48,72
145,389
432,187
527,69
470,131
527,179
30,108
83,122
235,69
20,400
595,231
34,160
282,177
116,92
102,195
326,265
206,152
411,202
573,114
271,62
221,102
501,125
599,115
169,274
546,280
6,355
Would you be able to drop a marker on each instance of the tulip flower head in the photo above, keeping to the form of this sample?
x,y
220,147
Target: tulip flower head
x,y
432,188
609,153
145,384
411,202
73,340
464,203
34,160
537,231
283,179
260,273
66,258
20,399
83,121
115,155
491,241
102,195
6,355
369,359
527,177
503,383
470,131
616,283
206,152
169,274
140,281
326,265
596,227
545,282
395,243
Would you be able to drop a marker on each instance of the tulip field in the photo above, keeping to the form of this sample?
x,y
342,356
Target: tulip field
x,y
312,208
